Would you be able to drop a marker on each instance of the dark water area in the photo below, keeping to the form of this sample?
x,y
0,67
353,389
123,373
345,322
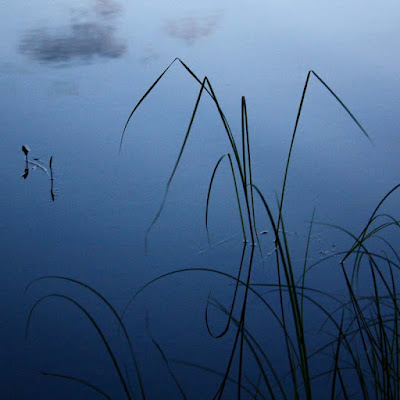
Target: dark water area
x,y
70,74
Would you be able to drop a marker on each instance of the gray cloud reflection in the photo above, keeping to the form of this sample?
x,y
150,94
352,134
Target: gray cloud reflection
x,y
80,41
190,29
107,9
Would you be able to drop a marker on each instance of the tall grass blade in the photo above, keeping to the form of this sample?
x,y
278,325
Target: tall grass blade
x,y
297,123
249,182
305,265
291,148
155,219
141,100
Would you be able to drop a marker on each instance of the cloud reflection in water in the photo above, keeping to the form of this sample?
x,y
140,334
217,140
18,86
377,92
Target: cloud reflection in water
x,y
83,41
190,29
80,41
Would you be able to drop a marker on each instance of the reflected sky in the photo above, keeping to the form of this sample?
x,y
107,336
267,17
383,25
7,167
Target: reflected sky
x,y
64,88
111,51
80,42
90,34
191,28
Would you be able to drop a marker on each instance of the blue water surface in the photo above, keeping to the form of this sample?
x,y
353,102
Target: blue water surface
x,y
70,74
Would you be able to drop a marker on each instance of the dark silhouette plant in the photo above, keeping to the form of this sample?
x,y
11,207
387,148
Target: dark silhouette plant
x,y
361,330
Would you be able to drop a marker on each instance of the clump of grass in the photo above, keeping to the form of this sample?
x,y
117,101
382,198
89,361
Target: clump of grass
x,y
361,330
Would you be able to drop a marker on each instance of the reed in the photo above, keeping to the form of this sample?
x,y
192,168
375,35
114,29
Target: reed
x,y
361,330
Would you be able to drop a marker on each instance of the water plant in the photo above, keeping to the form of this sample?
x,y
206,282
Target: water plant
x,y
359,356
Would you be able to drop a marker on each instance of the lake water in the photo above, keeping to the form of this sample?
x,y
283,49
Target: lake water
x,y
70,74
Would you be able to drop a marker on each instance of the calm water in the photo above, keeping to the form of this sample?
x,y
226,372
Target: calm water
x,y
70,73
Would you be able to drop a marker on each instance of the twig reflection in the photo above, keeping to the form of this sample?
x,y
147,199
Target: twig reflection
x,y
35,162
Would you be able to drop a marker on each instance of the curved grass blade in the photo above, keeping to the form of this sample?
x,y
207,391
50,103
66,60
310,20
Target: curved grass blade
x,y
209,193
217,373
344,339
343,105
294,302
317,304
225,330
110,307
81,381
297,123
210,91
227,128
93,323
155,219
370,256
236,191
212,271
165,359
250,340
208,270
360,239
141,100
258,387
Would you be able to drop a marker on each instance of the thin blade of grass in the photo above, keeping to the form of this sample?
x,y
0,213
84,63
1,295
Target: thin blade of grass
x,y
109,306
343,105
297,123
214,372
155,219
305,263
246,150
81,381
236,191
225,330
209,193
93,323
237,198
336,358
363,233
291,147
239,323
165,359
141,101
